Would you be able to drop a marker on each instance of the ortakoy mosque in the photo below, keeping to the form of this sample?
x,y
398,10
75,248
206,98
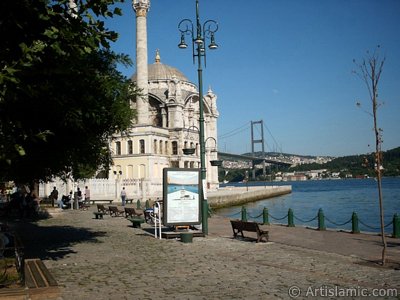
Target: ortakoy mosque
x,y
167,121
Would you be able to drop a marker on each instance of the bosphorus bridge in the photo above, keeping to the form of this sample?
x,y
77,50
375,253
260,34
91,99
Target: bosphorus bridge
x,y
254,129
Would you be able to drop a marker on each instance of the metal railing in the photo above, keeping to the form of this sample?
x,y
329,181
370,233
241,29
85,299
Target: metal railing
x,y
321,218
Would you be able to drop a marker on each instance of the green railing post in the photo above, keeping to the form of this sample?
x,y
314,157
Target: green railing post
x,y
265,216
321,220
147,204
396,226
138,204
290,218
244,214
354,223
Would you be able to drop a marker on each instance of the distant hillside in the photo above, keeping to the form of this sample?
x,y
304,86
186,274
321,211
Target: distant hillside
x,y
359,164
279,154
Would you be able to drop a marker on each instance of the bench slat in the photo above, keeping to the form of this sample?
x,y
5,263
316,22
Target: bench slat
x,y
29,282
115,211
35,273
50,279
130,211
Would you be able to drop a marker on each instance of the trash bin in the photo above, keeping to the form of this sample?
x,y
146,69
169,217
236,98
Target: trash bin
x,y
186,237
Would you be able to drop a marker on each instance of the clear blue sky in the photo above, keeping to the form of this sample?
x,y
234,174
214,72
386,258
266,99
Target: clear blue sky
x,y
289,63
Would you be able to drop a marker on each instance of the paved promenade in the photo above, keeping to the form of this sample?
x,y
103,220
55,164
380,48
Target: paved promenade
x,y
108,259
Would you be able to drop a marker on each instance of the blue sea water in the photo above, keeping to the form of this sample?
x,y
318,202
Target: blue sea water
x,y
337,198
188,187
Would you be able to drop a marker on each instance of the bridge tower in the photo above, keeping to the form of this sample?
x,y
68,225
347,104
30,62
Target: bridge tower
x,y
258,140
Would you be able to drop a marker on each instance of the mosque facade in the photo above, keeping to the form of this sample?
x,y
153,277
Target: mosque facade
x,y
167,121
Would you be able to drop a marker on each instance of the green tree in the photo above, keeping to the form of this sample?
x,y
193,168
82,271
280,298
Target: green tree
x,y
61,95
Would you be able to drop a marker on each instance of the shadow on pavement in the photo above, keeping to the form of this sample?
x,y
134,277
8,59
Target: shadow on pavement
x,y
52,242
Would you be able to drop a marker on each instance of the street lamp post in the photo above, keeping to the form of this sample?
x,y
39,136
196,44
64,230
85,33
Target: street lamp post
x,y
203,32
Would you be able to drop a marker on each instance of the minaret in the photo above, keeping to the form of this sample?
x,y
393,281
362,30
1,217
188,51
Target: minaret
x,y
141,7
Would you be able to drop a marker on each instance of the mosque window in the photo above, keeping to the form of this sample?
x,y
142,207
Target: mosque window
x,y
174,148
118,148
142,147
130,147
155,147
191,164
166,148
161,150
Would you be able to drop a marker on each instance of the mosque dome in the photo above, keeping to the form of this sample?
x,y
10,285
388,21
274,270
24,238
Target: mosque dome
x,y
159,71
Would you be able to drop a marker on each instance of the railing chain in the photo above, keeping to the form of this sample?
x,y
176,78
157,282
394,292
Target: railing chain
x,y
313,219
370,227
254,217
337,224
374,228
235,214
278,219
387,225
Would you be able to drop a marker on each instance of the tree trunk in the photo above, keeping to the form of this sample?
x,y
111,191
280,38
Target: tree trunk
x,y
378,162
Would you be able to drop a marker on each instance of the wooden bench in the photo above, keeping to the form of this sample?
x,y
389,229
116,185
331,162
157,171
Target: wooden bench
x,y
136,222
84,205
131,212
98,215
102,208
39,281
114,211
129,201
239,226
94,201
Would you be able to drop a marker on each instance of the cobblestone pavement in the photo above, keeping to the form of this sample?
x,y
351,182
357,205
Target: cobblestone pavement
x,y
108,259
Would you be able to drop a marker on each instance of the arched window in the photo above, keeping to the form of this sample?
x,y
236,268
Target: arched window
x,y
118,148
130,147
175,148
161,148
166,148
155,147
142,147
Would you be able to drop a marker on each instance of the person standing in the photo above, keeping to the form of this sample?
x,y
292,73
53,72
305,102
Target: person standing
x,y
87,194
123,196
79,198
79,193
54,196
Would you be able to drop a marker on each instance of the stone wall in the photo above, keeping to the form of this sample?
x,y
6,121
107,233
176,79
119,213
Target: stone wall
x,y
233,196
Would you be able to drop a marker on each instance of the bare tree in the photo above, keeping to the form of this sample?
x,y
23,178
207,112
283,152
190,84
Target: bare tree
x,y
370,70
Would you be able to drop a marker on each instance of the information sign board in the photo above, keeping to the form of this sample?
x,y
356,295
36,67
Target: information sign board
x,y
181,191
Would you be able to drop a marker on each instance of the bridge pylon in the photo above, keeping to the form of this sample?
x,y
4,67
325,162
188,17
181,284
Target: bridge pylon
x,y
258,140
